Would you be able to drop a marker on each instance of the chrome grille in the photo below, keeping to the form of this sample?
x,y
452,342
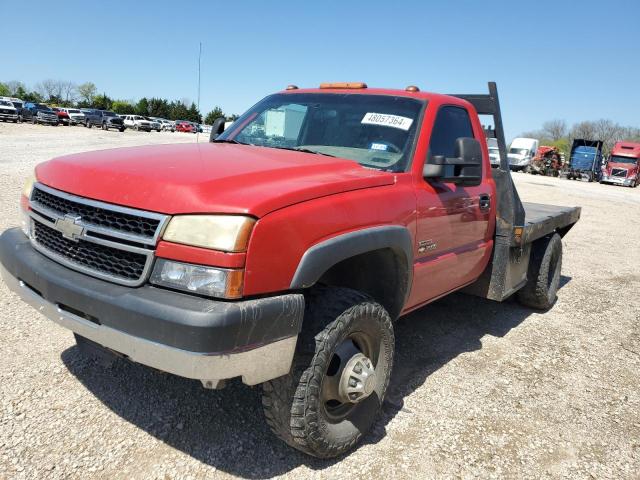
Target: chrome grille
x,y
619,172
103,217
100,239
110,261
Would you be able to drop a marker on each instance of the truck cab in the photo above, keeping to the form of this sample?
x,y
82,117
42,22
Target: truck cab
x,y
623,166
282,252
585,160
521,152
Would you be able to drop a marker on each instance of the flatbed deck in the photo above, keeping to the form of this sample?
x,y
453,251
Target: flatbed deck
x,y
541,220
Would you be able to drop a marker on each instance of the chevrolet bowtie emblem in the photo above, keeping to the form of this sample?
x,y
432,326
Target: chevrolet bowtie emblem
x,y
69,227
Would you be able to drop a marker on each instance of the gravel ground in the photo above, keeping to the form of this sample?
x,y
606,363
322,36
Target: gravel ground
x,y
480,389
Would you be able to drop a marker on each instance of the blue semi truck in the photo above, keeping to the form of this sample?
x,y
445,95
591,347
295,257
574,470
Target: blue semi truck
x,y
585,160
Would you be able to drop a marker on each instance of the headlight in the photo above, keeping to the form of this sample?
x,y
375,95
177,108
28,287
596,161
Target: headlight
x,y
200,279
28,186
229,233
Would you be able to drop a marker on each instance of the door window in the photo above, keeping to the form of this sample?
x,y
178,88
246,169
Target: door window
x,y
451,123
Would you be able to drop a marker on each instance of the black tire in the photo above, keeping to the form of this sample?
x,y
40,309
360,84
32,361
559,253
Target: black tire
x,y
89,124
294,405
33,120
121,129
104,126
543,275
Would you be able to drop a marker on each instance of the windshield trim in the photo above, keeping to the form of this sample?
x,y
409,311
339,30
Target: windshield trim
x,y
241,122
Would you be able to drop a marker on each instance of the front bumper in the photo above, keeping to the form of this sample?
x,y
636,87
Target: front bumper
x,y
182,334
41,119
627,182
9,116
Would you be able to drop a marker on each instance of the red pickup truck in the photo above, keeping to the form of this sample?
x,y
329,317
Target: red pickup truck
x,y
283,251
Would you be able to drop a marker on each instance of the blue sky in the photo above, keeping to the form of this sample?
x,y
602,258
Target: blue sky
x,y
551,59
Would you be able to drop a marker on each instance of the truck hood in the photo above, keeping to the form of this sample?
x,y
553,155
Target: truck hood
x,y
206,177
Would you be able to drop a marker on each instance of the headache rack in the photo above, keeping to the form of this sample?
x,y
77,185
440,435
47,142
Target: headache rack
x,y
518,224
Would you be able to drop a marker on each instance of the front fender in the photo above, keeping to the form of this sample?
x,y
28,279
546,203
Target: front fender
x,y
321,257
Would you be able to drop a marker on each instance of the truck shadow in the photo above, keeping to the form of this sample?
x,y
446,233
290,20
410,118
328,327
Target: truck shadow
x,y
225,429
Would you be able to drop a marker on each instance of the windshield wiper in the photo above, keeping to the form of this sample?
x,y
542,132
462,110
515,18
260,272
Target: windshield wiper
x,y
235,142
300,149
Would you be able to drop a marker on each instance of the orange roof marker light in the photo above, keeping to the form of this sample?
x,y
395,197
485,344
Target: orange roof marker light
x,y
292,87
344,85
412,89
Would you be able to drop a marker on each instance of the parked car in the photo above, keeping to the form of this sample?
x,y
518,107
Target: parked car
x,y
521,152
109,119
286,263
155,124
76,117
137,122
104,119
39,113
623,166
63,116
91,117
165,125
16,102
185,126
8,112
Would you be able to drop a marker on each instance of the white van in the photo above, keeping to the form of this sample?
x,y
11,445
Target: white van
x,y
494,151
521,152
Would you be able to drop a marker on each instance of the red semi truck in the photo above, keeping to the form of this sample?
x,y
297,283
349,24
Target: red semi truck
x,y
283,251
623,166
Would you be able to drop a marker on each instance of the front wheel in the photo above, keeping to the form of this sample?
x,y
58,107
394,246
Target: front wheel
x,y
339,376
89,124
543,275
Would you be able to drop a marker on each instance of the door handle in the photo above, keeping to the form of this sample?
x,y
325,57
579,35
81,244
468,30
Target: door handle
x,y
485,202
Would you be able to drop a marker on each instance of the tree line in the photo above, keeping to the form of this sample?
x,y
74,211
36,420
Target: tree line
x,y
558,134
62,93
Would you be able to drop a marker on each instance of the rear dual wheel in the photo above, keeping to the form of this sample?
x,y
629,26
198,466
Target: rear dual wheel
x,y
543,275
339,376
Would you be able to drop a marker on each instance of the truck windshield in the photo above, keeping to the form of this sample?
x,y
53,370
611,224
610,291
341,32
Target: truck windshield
x,y
519,151
377,131
619,159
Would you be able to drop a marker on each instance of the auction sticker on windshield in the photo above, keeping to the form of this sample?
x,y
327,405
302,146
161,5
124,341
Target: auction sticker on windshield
x,y
395,121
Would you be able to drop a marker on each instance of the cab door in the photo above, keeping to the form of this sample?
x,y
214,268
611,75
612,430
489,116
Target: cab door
x,y
453,228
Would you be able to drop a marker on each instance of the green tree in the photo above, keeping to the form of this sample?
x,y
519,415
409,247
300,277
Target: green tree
x,y
86,92
30,96
142,107
123,106
177,111
102,102
213,115
158,107
4,90
193,114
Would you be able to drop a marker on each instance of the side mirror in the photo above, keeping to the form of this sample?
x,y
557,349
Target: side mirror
x,y
217,128
464,169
